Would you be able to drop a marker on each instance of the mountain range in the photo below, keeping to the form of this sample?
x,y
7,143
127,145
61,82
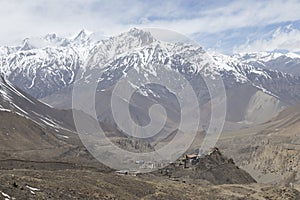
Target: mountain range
x,y
258,85
38,135
47,67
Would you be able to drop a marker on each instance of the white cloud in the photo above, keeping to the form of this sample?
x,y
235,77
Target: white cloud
x,y
280,39
235,15
19,19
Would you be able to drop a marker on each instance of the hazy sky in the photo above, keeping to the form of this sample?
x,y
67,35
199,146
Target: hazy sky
x,y
222,25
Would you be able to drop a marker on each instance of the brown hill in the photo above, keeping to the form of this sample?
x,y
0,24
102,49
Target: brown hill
x,y
213,167
271,151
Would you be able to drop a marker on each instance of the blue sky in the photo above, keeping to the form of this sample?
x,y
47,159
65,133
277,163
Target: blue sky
x,y
225,26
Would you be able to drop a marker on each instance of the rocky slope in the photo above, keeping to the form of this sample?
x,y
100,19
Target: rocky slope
x,y
14,100
270,152
31,130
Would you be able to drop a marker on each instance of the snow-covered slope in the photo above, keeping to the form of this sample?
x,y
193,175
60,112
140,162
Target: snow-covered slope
x,y
286,62
41,66
189,60
14,100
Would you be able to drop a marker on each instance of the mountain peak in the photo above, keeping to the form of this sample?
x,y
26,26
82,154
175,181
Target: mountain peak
x,y
50,36
144,37
136,31
26,45
82,35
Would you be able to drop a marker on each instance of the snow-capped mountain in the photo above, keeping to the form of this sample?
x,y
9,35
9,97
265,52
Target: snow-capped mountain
x,y
249,88
41,66
189,60
49,71
288,62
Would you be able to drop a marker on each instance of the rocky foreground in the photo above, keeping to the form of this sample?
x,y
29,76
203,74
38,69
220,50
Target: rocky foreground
x,y
205,179
89,184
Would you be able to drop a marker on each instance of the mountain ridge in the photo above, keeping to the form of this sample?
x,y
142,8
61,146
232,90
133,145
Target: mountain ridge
x,y
50,71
